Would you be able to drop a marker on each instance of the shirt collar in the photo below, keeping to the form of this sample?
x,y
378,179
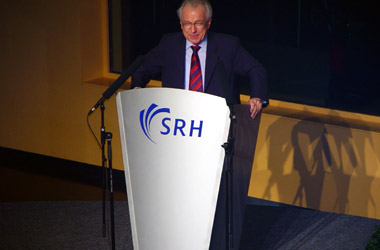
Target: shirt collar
x,y
202,44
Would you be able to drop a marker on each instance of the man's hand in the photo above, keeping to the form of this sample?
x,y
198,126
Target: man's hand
x,y
254,106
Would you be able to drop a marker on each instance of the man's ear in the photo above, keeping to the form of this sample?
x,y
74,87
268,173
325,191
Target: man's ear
x,y
209,23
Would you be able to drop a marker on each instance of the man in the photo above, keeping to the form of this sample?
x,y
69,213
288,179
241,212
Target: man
x,y
188,60
171,58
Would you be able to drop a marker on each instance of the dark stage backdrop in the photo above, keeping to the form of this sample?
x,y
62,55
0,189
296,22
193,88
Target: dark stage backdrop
x,y
317,52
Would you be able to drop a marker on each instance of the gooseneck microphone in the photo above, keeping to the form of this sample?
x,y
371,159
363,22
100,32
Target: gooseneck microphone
x,y
118,82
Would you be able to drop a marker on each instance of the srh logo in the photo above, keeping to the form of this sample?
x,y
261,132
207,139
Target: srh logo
x,y
170,126
146,118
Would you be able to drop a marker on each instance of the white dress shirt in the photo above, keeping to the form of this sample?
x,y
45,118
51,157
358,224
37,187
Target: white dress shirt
x,y
202,57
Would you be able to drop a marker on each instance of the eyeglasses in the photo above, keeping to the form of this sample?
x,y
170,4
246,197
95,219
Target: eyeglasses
x,y
188,25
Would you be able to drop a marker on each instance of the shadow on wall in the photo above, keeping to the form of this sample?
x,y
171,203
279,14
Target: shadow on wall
x,y
328,162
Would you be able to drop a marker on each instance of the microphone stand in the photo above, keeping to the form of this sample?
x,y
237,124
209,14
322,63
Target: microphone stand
x,y
104,172
229,152
107,136
228,167
110,178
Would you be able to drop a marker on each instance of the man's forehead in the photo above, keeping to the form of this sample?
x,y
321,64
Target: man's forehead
x,y
198,11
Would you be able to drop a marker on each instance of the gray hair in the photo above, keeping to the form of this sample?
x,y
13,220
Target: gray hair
x,y
194,4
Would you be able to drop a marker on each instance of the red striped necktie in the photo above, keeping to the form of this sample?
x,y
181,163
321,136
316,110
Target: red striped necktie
x,y
195,83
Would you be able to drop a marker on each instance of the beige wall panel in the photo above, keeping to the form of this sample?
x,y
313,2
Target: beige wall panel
x,y
44,101
315,165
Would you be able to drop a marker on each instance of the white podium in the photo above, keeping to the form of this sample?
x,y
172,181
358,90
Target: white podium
x,y
173,157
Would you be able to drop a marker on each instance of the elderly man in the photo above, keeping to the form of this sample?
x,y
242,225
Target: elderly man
x,y
188,60
172,58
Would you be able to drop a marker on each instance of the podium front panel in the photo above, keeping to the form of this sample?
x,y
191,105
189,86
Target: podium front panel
x,y
173,158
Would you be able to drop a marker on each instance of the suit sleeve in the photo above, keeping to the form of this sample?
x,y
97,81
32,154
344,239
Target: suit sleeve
x,y
151,66
246,65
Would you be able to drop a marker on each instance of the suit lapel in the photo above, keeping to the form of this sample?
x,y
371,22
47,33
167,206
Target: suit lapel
x,y
211,58
180,50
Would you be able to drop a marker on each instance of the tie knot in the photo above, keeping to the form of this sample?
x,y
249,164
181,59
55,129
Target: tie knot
x,y
195,48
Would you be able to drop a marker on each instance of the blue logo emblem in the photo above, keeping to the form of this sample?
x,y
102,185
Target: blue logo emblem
x,y
146,118
174,127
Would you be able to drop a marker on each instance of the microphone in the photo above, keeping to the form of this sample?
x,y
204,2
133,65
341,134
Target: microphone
x,y
264,102
118,82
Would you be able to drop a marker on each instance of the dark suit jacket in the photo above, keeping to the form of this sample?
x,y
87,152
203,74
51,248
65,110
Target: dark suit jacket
x,y
168,58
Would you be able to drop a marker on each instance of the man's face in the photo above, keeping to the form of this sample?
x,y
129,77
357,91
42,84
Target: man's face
x,y
194,23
